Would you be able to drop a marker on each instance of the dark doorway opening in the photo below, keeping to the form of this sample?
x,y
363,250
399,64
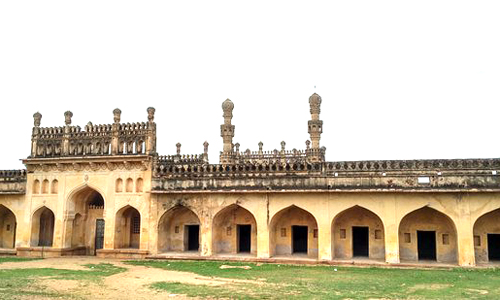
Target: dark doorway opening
x,y
244,238
493,246
360,241
299,239
99,234
46,228
193,237
426,241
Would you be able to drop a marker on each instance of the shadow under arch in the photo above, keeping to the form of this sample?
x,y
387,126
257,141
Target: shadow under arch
x,y
234,230
42,227
179,230
486,231
8,227
358,232
427,234
86,206
293,231
127,228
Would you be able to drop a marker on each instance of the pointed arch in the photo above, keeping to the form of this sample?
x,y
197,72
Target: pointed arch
x,y
293,230
8,227
42,227
358,232
486,233
427,234
54,187
36,187
128,228
234,230
86,203
179,230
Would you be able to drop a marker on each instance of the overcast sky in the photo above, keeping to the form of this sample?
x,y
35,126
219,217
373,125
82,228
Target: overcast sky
x,y
399,79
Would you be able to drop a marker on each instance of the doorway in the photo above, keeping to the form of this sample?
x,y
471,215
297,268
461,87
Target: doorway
x,y
99,234
46,228
493,246
299,239
193,237
360,239
426,241
244,238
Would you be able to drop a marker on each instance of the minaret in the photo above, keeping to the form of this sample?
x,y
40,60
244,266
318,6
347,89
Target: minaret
x,y
315,128
227,133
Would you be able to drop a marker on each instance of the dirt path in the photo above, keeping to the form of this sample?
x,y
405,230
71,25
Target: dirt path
x,y
131,284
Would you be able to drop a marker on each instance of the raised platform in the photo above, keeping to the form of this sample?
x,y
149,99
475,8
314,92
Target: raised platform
x,y
7,251
49,251
122,253
299,260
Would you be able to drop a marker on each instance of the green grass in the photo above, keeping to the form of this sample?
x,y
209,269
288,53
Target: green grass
x,y
19,282
323,282
5,259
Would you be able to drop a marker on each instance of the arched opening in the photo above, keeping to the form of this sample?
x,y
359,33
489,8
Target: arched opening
x,y
358,232
487,238
45,186
87,228
55,187
139,185
36,187
119,185
427,235
128,228
7,228
179,230
129,186
234,230
42,228
294,231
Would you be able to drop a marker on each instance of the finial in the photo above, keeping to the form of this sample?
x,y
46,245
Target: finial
x,y
283,146
227,108
37,119
237,145
117,115
308,144
315,103
67,117
178,145
151,114
205,147
260,146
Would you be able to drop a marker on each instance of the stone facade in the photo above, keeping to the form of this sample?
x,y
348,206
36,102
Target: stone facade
x,y
104,190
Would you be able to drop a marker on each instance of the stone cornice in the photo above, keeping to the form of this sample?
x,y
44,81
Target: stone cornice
x,y
93,163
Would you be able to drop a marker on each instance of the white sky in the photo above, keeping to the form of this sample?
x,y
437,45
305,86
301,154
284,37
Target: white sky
x,y
399,79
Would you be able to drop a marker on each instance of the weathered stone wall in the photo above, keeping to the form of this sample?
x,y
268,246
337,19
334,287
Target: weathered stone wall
x,y
357,216
487,224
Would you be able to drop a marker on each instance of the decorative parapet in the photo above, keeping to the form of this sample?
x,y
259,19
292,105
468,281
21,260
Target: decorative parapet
x,y
12,181
94,140
428,175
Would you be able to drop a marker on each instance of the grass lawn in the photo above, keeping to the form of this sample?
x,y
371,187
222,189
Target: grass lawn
x,y
273,281
23,282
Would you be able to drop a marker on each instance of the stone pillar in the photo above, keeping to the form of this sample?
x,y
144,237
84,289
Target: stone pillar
x,y
67,133
206,235
391,236
114,140
151,138
324,240
227,133
315,124
465,233
34,138
262,238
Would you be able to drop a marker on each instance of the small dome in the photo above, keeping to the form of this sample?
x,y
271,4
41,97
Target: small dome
x,y
227,105
315,100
